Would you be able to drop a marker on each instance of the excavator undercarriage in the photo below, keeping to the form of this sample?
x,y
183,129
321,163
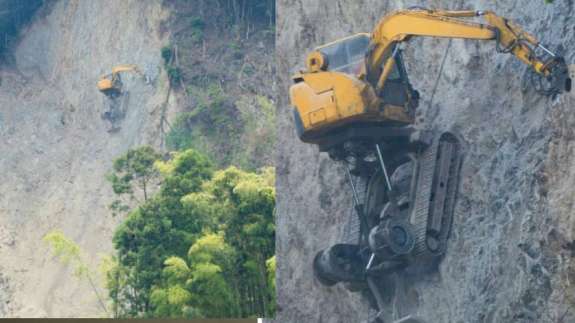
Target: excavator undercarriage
x,y
116,106
406,215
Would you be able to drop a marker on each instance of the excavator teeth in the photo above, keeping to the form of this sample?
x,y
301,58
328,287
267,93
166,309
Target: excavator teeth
x,y
435,192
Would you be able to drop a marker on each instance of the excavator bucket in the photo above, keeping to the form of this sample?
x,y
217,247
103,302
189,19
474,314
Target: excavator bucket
x,y
558,79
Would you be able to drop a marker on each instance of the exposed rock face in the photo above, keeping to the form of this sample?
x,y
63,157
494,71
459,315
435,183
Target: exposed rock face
x,y
510,255
55,149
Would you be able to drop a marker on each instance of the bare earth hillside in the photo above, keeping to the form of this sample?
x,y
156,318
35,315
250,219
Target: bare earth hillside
x,y
510,256
55,149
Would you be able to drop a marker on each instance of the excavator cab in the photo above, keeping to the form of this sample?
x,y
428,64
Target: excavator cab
x,y
346,55
397,91
110,84
332,92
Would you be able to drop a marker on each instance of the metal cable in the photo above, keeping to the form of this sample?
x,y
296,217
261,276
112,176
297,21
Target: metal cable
x,y
439,75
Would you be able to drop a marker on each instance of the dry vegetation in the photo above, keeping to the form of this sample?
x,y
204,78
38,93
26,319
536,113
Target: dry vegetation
x,y
221,58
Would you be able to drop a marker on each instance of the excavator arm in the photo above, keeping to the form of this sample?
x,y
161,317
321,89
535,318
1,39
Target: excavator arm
x,y
126,68
402,25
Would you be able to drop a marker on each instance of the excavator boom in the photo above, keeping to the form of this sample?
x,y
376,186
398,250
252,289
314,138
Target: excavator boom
x,y
510,38
126,68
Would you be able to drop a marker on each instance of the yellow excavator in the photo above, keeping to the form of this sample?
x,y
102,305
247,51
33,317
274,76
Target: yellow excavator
x,y
355,101
111,84
117,96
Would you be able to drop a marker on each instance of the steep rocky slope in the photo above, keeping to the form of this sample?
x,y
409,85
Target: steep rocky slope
x,y
55,149
510,256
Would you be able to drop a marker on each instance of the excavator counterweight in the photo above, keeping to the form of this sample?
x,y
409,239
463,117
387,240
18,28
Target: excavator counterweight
x,y
355,101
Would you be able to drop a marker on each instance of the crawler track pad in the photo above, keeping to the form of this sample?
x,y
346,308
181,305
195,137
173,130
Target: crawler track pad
x,y
435,191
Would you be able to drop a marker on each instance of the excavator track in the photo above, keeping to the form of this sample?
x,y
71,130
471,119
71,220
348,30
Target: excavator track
x,y
423,191
438,169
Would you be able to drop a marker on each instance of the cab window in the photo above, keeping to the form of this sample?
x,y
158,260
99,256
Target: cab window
x,y
346,56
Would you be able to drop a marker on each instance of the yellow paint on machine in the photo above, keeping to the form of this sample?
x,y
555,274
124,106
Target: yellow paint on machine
x,y
361,78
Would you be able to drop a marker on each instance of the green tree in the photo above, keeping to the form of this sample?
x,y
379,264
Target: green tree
x,y
131,178
211,260
271,268
242,204
199,247
70,254
200,289
157,229
171,299
167,53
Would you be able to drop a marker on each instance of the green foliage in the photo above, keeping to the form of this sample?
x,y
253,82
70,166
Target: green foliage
x,y
170,302
66,250
213,126
116,277
239,132
249,70
224,52
197,23
131,177
197,26
258,138
167,52
236,50
210,260
271,269
70,254
180,135
174,75
157,228
200,247
202,244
